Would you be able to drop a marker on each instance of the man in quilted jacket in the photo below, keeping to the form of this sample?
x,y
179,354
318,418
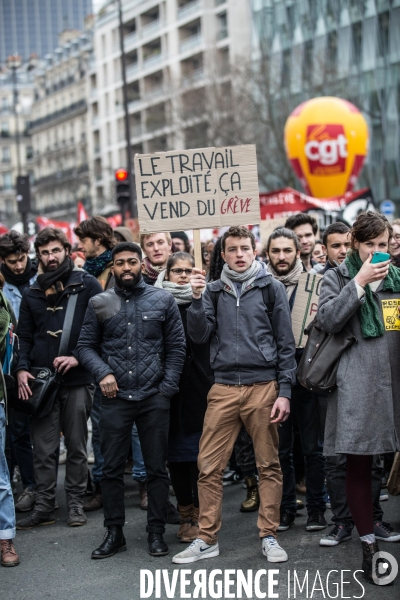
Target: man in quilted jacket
x,y
133,341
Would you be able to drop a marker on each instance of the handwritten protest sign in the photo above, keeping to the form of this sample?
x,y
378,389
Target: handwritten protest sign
x,y
305,305
191,189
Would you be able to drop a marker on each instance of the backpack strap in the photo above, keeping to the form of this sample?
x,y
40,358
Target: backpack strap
x,y
268,293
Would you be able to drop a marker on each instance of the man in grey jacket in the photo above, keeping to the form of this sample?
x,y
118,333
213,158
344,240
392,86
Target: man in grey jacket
x,y
246,314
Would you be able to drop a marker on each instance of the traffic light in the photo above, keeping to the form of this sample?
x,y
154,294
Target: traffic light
x,y
122,189
23,193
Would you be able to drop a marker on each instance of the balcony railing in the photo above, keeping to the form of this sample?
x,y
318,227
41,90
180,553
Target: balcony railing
x,y
222,33
155,92
59,114
136,130
195,76
188,9
150,29
152,59
132,69
190,43
129,40
134,102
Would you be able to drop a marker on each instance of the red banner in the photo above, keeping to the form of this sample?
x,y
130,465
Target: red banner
x,y
67,228
287,201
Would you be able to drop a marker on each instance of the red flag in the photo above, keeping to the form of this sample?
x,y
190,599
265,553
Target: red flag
x,y
82,214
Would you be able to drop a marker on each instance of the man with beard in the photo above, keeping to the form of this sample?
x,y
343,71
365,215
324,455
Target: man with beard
x,y
19,272
41,321
283,251
306,228
133,341
96,240
157,247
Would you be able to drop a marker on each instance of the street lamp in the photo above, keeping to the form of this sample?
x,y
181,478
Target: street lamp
x,y
23,189
13,63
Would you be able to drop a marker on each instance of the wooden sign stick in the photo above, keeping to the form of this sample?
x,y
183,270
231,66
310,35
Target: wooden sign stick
x,y
198,259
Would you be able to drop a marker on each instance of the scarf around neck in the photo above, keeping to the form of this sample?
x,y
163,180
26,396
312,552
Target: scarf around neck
x,y
23,278
229,276
370,318
152,271
182,293
291,279
95,266
52,282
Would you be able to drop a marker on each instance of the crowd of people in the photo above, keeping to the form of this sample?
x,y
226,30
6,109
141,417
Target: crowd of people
x,y
192,372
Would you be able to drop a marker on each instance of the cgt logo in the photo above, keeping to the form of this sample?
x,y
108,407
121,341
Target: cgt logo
x,y
326,149
384,568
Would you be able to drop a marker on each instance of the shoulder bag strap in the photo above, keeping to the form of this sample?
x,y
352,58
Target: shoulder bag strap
x,y
69,318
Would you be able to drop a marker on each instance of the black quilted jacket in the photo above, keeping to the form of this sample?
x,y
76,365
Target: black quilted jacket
x,y
138,337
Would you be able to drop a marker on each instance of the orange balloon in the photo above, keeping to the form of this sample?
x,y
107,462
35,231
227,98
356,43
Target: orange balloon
x,y
326,141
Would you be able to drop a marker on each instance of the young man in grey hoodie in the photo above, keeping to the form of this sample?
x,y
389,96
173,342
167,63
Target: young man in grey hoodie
x,y
246,314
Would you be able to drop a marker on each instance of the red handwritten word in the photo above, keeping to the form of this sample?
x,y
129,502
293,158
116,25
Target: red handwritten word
x,y
235,205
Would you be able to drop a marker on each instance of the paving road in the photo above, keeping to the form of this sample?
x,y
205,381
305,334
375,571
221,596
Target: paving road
x,y
56,564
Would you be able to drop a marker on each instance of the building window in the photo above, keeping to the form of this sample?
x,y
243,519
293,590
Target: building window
x,y
222,26
6,156
4,129
5,104
7,181
29,152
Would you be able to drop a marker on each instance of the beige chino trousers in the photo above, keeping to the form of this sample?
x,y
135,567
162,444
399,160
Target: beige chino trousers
x,y
228,407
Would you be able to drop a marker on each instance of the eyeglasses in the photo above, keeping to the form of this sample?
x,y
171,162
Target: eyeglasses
x,y
180,271
54,252
397,237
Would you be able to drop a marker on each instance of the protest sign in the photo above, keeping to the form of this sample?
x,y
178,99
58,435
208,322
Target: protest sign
x,y
192,189
305,305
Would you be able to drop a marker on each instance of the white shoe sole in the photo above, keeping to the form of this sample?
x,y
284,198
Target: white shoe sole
x,y
395,538
332,542
276,559
192,559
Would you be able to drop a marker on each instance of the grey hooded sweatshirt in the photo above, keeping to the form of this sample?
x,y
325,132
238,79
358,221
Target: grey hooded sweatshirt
x,y
246,345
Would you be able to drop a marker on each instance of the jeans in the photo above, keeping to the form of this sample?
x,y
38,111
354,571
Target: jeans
x,y
336,469
7,510
304,412
22,446
139,470
152,420
95,416
70,413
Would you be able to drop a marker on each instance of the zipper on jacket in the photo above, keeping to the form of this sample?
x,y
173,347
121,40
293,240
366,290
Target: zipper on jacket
x,y
237,336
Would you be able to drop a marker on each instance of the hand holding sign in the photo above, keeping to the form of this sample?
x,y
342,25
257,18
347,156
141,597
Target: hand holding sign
x,y
198,282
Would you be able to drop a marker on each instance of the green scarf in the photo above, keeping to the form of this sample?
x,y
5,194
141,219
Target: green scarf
x,y
371,322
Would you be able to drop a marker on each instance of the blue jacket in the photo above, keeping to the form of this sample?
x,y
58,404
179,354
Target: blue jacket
x,y
138,337
14,296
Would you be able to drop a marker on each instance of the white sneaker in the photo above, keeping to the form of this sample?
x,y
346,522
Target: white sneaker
x,y
272,550
197,550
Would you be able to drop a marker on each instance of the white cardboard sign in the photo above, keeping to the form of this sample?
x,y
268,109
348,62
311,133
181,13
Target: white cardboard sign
x,y
194,189
305,305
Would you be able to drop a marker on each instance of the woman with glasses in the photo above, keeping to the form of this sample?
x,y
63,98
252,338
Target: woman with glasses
x,y
188,407
394,243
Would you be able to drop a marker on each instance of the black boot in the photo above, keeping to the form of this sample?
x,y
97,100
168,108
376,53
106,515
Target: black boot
x,y
114,541
96,501
157,546
368,554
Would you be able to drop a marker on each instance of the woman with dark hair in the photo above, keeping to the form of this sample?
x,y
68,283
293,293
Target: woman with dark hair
x,y
217,262
188,407
363,412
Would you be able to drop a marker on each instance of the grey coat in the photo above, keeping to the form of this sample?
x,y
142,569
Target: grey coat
x,y
363,415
